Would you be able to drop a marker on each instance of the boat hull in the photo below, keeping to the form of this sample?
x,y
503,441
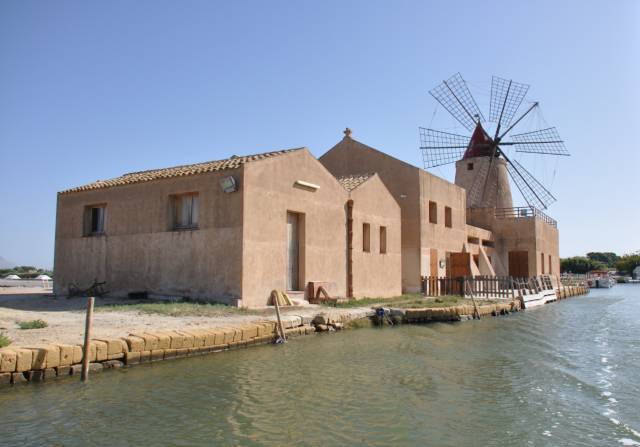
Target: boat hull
x,y
539,299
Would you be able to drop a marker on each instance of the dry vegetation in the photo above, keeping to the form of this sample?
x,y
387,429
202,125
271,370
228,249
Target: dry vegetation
x,y
181,309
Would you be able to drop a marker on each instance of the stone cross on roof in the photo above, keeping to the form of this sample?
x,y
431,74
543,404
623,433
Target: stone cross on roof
x,y
347,132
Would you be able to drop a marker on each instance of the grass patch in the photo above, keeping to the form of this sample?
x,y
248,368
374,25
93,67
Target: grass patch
x,y
4,340
33,324
369,302
181,309
407,301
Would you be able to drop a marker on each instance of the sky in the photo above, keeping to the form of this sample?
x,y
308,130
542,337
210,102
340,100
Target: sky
x,y
90,90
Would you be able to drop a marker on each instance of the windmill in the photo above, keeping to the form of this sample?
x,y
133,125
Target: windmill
x,y
482,166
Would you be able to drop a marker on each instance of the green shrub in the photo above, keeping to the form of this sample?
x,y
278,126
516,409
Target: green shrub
x,y
4,340
33,324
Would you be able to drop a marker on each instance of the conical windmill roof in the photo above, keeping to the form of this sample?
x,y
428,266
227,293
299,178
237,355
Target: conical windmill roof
x,y
479,144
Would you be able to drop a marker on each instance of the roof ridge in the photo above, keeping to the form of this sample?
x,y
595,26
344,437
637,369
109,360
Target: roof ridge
x,y
232,162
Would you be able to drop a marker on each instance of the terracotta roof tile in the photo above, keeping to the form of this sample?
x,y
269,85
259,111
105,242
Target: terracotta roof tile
x,y
351,182
233,162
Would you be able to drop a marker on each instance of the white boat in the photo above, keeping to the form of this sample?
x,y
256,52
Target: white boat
x,y
538,299
539,291
601,282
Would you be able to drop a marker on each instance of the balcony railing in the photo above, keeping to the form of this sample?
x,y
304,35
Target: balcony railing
x,y
517,212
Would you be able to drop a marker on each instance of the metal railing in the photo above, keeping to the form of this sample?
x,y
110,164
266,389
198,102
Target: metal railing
x,y
524,211
516,212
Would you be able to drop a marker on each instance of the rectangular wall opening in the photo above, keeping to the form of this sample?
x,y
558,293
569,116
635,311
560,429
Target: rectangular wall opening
x,y
447,217
519,264
433,261
433,212
366,237
383,240
185,211
295,251
95,219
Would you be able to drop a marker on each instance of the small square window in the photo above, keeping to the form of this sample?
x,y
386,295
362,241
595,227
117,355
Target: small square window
x,y
469,166
185,211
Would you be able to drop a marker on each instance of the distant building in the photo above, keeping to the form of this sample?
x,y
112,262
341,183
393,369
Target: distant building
x,y
357,220
636,272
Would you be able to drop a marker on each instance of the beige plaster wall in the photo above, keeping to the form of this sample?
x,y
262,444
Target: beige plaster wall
x,y
547,242
403,182
437,235
376,274
141,252
477,249
526,233
270,192
487,183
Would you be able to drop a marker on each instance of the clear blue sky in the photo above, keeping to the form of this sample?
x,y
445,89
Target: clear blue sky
x,y
90,90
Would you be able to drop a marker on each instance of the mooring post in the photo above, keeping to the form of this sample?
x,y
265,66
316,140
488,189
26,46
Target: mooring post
x,y
87,340
280,325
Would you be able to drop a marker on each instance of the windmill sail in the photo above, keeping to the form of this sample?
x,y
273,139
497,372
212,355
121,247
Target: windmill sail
x,y
532,190
482,166
454,95
506,97
544,141
441,148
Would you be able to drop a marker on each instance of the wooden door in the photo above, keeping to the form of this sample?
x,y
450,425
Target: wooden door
x,y
433,261
519,264
460,265
293,252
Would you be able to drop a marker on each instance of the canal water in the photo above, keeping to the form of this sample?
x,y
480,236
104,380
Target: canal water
x,y
564,374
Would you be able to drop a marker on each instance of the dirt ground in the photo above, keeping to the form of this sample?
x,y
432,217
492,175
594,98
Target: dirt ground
x,y
66,317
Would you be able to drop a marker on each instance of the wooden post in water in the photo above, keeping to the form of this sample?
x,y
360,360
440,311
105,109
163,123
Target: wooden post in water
x,y
87,340
280,325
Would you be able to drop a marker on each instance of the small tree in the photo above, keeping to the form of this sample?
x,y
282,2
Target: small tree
x,y
580,264
627,263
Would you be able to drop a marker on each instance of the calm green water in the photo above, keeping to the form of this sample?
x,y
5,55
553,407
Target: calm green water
x,y
564,374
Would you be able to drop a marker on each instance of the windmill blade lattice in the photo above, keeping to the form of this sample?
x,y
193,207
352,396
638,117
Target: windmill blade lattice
x,y
454,95
506,97
441,148
532,190
544,141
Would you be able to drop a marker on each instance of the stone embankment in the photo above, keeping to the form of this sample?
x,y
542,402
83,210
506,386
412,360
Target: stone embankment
x,y
569,291
453,313
56,361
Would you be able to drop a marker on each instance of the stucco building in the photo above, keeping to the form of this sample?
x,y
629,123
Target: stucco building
x,y
357,221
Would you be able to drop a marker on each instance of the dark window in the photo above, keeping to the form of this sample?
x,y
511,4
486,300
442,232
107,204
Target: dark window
x,y
473,240
433,212
366,237
95,220
383,240
447,217
486,243
469,166
185,211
